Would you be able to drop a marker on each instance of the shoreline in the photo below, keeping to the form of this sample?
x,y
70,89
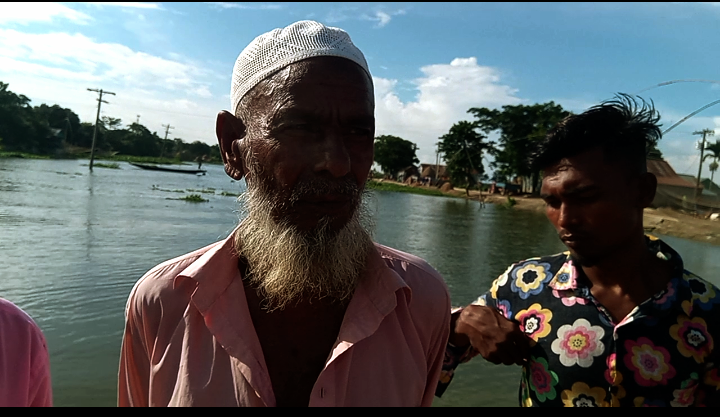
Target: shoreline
x,y
663,221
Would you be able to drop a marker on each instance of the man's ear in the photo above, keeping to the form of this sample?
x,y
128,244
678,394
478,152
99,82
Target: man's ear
x,y
647,189
230,131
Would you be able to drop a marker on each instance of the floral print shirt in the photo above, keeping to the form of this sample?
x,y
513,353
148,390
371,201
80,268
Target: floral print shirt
x,y
661,354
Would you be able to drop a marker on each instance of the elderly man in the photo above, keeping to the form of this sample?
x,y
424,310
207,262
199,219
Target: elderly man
x,y
616,320
298,306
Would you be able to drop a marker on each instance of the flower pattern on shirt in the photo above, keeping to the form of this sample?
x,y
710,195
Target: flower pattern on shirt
x,y
693,339
529,278
535,321
661,354
542,380
578,343
685,395
581,395
650,363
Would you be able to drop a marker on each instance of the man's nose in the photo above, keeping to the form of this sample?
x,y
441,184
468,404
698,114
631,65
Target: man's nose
x,y
333,156
568,216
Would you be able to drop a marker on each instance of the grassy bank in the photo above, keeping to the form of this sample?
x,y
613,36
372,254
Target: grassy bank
x,y
104,157
22,155
389,186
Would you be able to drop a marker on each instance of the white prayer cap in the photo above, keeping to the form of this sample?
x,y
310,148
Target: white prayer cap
x,y
275,50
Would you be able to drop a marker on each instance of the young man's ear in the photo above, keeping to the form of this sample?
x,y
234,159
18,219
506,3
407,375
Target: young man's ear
x,y
648,188
230,131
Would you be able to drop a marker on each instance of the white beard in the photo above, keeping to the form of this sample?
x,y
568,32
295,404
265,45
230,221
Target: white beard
x,y
287,265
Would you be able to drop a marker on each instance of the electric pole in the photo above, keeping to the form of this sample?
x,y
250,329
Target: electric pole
x,y
97,120
167,129
437,161
704,133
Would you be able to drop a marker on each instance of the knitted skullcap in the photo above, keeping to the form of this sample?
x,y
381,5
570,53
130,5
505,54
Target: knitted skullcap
x,y
275,50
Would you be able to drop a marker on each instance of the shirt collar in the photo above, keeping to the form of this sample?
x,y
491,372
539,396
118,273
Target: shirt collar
x,y
568,277
217,268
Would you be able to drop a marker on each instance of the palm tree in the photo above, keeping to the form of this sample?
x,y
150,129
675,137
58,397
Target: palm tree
x,y
713,150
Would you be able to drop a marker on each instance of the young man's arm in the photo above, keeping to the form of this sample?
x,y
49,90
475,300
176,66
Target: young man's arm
x,y
482,329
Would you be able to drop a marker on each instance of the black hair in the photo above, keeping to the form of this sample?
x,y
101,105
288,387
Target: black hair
x,y
624,129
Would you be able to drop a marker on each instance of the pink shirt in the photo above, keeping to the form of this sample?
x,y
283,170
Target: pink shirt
x,y
189,339
24,360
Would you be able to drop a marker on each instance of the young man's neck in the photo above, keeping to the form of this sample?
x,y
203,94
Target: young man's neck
x,y
632,269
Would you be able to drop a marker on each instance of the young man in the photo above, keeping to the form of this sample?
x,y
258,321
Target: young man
x,y
616,320
298,306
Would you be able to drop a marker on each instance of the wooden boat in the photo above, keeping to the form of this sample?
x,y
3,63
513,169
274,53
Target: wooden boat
x,y
159,168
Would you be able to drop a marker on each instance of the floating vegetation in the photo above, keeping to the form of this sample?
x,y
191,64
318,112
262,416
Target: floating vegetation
x,y
227,194
156,188
509,203
111,166
194,198
203,191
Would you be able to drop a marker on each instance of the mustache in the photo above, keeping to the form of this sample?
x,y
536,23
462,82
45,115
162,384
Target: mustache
x,y
345,186
565,235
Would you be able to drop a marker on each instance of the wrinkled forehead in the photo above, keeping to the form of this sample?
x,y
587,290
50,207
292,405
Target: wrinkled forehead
x,y
321,81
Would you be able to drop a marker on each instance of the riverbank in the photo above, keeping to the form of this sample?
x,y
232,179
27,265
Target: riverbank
x,y
105,157
662,221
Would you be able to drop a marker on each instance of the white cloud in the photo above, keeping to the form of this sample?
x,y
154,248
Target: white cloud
x,y
57,68
131,5
251,6
444,94
28,12
82,55
381,17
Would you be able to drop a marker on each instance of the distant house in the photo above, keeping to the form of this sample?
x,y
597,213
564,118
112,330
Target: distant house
x,y
672,189
408,173
710,187
703,187
428,171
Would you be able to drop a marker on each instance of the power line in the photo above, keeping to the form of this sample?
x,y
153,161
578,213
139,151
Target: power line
x,y
677,81
691,164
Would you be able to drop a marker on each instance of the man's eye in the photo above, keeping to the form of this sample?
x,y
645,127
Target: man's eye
x,y
552,202
359,131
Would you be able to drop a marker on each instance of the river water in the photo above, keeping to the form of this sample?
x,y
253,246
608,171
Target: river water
x,y
73,243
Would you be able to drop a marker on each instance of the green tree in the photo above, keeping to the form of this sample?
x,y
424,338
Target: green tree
x,y
21,128
518,127
713,150
60,118
654,153
463,148
393,154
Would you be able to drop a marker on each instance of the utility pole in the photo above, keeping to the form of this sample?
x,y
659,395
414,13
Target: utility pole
x,y
97,120
704,133
167,129
437,160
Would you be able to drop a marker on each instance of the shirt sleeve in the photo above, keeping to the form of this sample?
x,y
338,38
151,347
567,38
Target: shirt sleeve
x,y
40,394
455,356
134,374
435,364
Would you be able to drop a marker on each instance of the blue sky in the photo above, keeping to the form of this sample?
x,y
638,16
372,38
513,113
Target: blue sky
x,y
170,63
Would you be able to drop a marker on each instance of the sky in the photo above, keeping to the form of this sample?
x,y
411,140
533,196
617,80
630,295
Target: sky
x,y
171,63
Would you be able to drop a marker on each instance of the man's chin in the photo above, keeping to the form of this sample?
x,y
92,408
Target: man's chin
x,y
584,259
318,223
